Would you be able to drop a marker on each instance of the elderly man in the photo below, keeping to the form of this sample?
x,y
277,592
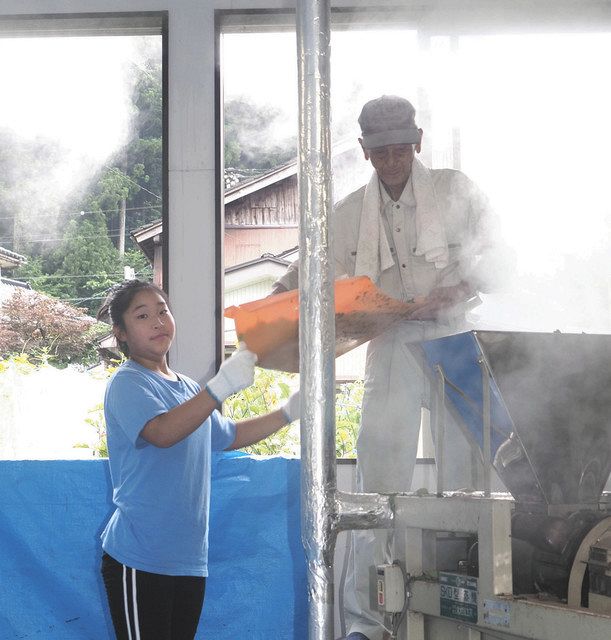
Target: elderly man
x,y
417,233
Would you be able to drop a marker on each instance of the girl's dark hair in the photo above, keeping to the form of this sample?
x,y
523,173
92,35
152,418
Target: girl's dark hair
x,y
117,302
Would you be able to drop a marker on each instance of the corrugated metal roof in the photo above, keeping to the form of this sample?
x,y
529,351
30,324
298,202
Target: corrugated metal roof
x,y
11,259
282,259
285,171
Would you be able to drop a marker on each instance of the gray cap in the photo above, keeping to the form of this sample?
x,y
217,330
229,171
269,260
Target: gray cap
x,y
388,120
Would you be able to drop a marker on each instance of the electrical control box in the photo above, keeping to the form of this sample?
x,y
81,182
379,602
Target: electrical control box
x,y
390,587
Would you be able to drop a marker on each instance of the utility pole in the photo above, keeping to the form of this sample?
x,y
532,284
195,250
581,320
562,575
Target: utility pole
x,y
122,210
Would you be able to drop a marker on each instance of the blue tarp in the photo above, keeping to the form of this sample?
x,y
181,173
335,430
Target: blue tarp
x,y
51,516
458,356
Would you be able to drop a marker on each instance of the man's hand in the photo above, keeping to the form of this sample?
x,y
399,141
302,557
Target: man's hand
x,y
442,298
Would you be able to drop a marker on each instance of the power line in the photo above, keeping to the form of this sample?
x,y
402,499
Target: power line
x,y
77,300
80,213
91,298
136,183
8,240
61,276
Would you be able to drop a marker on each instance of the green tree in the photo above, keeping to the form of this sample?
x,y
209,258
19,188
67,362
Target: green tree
x,y
252,146
348,404
135,173
85,264
84,243
144,154
271,389
26,211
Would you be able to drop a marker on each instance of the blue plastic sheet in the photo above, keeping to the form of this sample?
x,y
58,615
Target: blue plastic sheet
x,y
458,356
51,516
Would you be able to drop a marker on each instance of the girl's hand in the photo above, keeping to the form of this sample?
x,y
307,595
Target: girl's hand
x,y
292,408
235,374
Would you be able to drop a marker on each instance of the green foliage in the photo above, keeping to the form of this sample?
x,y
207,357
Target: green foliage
x,y
21,363
271,389
97,422
84,261
25,164
113,186
252,145
147,99
135,259
33,272
82,267
348,404
13,367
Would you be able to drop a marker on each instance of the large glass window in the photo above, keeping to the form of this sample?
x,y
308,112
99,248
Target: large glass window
x,y
81,187
524,115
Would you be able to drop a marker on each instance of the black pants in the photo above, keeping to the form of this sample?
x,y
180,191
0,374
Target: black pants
x,y
149,606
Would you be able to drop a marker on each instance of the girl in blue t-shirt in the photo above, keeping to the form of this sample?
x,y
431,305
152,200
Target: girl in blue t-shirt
x,y
161,428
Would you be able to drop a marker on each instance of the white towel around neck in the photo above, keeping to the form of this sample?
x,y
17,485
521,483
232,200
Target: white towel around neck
x,y
373,253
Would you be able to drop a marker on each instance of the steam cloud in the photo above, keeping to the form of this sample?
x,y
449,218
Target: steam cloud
x,y
66,104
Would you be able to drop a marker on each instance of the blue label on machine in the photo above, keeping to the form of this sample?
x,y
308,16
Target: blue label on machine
x,y
458,597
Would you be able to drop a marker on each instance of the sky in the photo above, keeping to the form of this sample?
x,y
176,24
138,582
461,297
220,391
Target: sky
x,y
532,111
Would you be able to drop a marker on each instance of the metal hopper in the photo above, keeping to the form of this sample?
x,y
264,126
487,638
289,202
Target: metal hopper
x,y
550,408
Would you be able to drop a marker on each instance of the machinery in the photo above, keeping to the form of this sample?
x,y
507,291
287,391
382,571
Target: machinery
x,y
533,561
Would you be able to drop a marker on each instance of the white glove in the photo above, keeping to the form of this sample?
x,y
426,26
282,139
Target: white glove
x,y
292,408
235,374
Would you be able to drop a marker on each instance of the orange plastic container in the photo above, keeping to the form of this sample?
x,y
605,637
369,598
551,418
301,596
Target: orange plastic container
x,y
270,326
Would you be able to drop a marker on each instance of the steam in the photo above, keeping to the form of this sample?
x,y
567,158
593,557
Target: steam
x,y
66,103
524,115
556,388
262,70
536,138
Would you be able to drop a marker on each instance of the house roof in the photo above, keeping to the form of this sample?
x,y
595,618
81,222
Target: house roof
x,y
260,182
285,171
14,283
253,279
283,259
10,259
145,236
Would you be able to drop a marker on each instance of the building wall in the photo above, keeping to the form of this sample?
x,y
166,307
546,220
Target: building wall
x,y
245,244
275,205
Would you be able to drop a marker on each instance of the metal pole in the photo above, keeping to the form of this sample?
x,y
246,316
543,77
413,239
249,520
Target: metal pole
x,y
486,425
440,417
317,315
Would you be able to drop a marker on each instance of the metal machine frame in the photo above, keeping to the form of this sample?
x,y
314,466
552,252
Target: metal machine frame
x,y
486,606
500,614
